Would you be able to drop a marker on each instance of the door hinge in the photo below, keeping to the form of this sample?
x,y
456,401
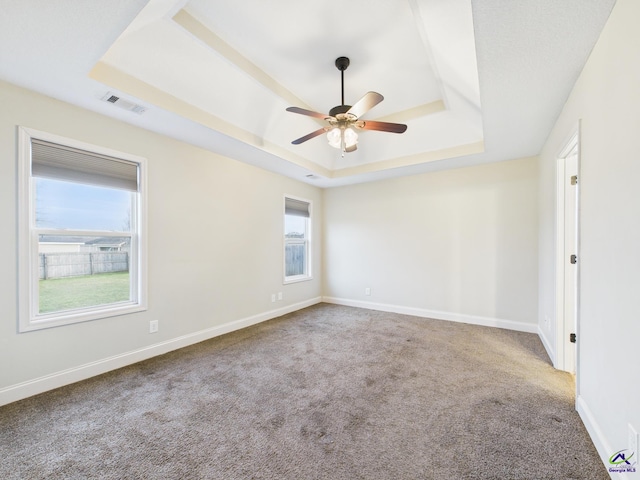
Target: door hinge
x,y
573,259
574,179
572,337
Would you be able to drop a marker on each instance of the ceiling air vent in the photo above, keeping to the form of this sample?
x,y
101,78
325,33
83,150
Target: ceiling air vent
x,y
124,104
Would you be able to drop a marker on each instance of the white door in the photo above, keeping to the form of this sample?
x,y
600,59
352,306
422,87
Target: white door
x,y
570,260
567,353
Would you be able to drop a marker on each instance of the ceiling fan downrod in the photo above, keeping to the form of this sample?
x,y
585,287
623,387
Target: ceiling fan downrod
x,y
342,63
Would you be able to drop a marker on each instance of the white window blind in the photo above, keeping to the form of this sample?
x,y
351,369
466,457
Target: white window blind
x,y
60,162
295,207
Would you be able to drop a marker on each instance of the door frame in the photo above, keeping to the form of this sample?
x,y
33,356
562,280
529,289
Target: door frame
x,y
564,326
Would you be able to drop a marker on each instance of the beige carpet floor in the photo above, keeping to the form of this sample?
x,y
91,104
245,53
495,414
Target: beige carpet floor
x,y
329,392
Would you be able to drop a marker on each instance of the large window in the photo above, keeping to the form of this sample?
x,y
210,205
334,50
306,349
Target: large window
x,y
80,231
297,215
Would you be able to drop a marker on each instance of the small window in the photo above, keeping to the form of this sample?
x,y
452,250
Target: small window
x,y
80,232
297,235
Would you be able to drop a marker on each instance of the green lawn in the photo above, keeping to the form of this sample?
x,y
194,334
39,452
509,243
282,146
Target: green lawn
x,y
86,291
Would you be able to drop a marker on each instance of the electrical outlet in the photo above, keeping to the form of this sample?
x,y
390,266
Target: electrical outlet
x,y
633,440
153,326
279,295
367,291
273,297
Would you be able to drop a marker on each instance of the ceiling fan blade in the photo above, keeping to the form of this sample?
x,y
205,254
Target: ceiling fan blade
x,y
309,136
366,103
303,111
382,126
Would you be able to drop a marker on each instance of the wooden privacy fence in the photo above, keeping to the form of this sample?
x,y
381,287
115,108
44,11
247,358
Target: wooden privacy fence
x,y
294,259
60,265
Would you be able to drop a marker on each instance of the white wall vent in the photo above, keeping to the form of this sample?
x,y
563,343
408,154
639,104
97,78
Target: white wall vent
x,y
124,104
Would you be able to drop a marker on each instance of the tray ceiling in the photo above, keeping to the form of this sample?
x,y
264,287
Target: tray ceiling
x,y
475,81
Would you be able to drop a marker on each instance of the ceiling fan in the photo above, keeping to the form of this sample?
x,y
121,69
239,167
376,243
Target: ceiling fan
x,y
343,118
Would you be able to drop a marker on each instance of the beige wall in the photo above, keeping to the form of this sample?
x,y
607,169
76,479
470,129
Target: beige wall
x,y
606,99
458,244
215,240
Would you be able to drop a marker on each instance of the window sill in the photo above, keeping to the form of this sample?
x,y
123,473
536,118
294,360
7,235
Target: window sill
x,y
297,279
58,319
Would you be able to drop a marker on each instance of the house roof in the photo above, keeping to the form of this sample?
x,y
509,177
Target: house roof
x,y
475,80
107,241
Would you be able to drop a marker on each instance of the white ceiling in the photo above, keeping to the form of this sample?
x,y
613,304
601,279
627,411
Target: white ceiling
x,y
475,80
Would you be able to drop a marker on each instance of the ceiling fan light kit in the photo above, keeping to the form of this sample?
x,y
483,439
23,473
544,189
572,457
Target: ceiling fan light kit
x,y
337,137
345,119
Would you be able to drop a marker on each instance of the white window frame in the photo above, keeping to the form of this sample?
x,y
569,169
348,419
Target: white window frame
x,y
29,318
307,242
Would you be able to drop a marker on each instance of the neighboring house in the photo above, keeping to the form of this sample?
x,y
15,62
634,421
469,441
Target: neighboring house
x,y
61,244
107,244
45,246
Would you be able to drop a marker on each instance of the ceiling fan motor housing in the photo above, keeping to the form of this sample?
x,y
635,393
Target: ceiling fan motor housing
x,y
339,109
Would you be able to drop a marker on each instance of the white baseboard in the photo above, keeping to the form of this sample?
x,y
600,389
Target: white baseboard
x,y
597,437
547,346
437,315
82,372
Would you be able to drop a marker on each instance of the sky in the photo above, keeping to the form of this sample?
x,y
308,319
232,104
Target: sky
x,y
73,206
294,224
